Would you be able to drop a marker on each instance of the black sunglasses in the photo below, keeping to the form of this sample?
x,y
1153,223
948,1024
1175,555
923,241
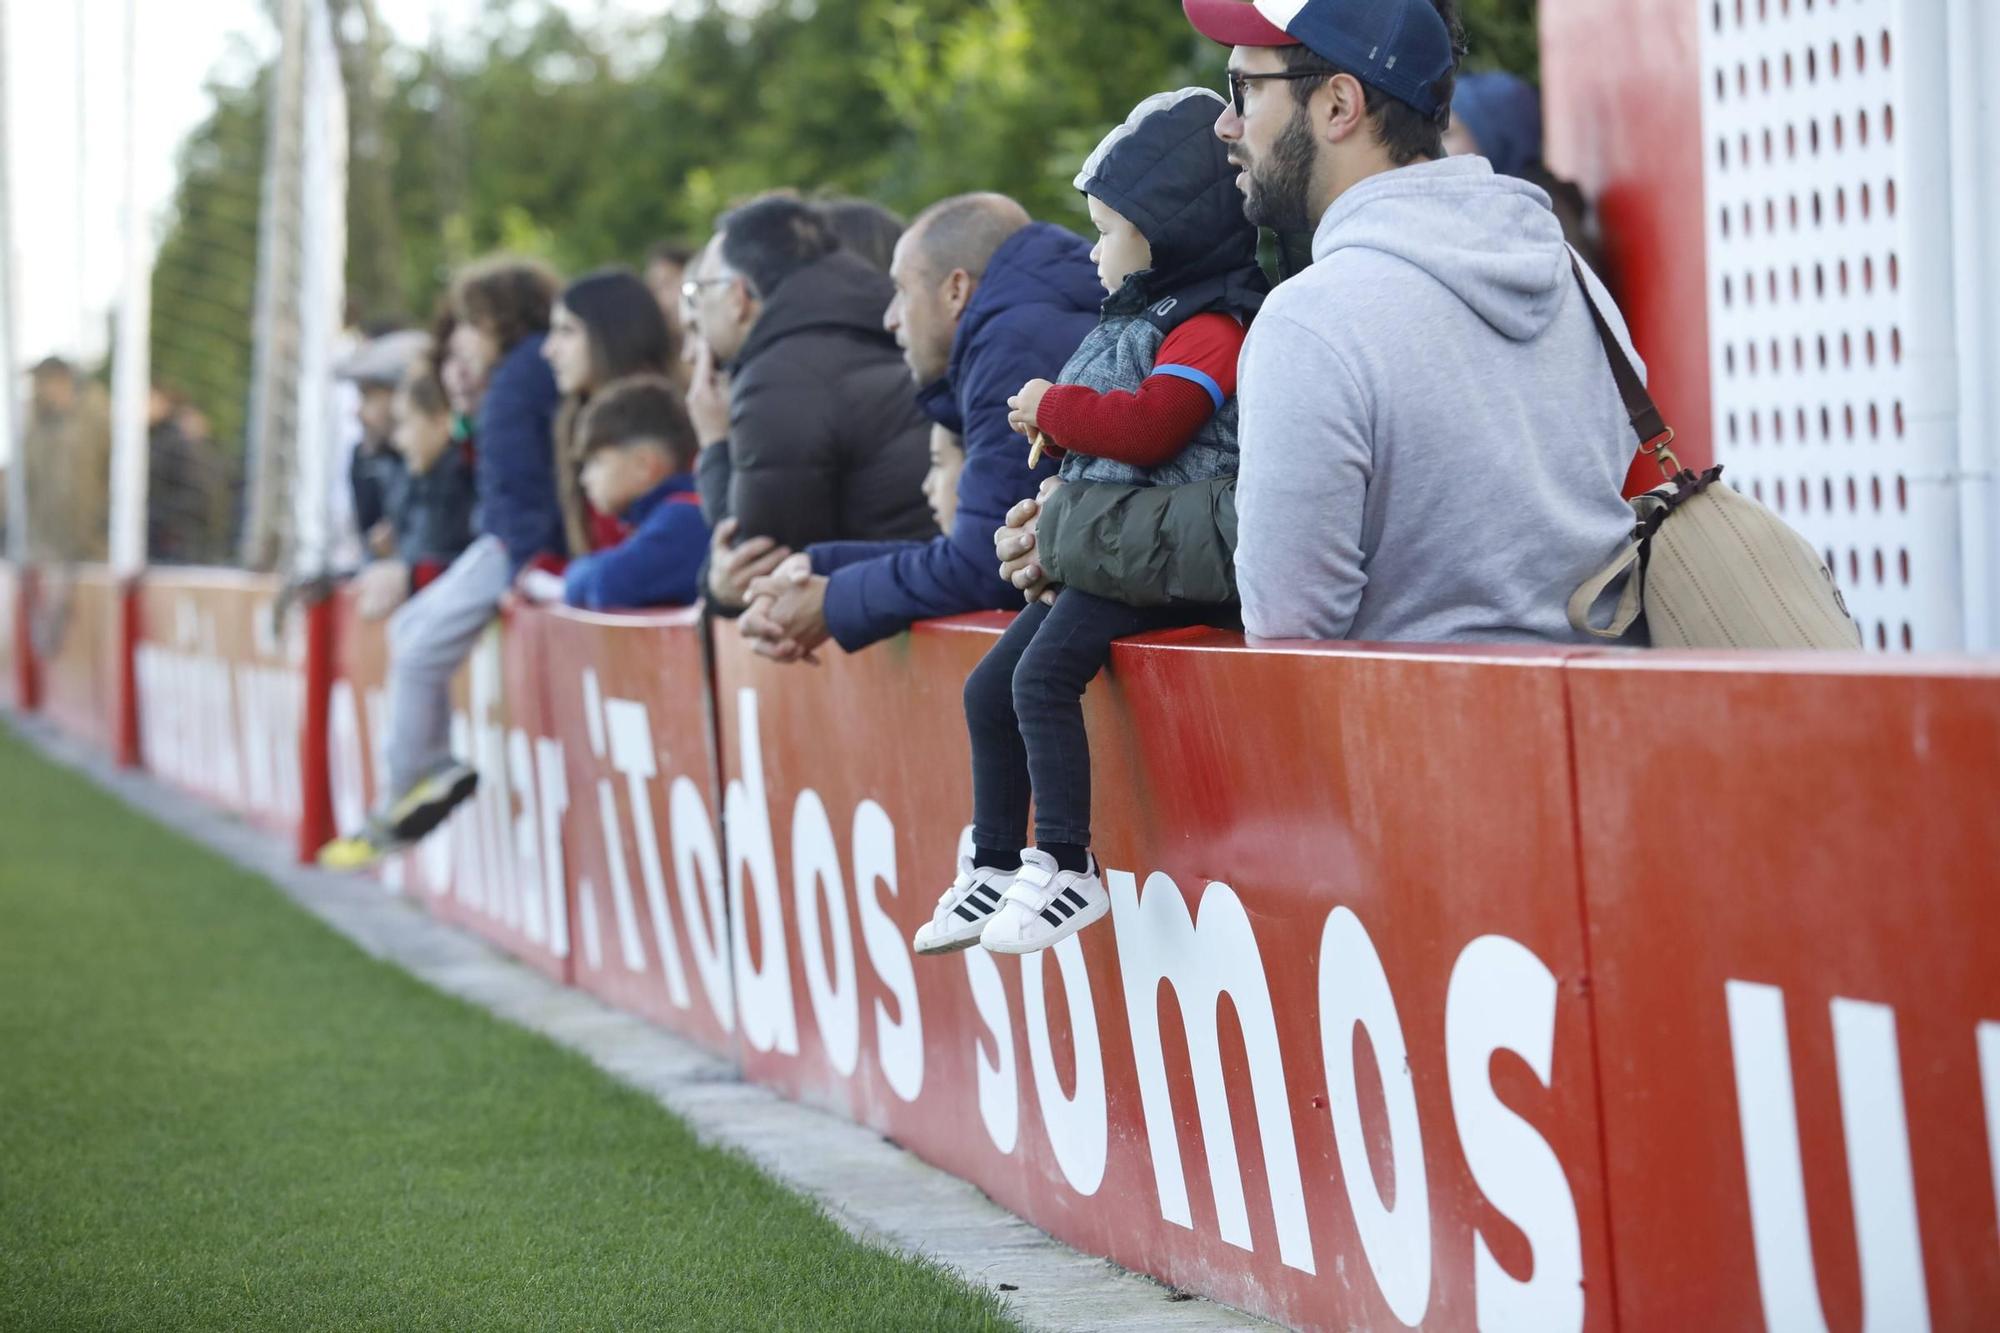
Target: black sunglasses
x,y
1237,81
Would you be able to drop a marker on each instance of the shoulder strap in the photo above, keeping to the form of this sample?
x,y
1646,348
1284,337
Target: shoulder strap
x,y
1630,602
1654,434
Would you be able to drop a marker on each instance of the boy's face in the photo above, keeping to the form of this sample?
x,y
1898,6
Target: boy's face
x,y
420,437
1121,250
618,475
378,413
941,482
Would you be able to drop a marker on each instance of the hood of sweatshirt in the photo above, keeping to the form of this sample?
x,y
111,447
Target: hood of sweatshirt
x,y
1491,240
841,293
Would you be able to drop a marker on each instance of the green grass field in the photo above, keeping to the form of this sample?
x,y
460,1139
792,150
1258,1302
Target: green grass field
x,y
216,1113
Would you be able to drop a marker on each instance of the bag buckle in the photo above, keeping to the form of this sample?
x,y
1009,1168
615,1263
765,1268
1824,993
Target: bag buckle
x,y
1658,449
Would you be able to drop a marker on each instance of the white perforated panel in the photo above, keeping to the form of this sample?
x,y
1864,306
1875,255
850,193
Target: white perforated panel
x,y
1828,242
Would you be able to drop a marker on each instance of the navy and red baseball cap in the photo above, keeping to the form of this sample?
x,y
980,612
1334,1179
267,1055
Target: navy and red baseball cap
x,y
1399,46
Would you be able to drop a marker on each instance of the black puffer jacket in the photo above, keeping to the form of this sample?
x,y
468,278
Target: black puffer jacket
x,y
826,442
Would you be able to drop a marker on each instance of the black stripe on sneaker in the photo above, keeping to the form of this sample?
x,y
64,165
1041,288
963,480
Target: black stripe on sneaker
x,y
1049,915
1075,899
991,897
969,912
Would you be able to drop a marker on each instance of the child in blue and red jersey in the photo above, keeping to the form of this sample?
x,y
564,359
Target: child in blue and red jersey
x,y
638,450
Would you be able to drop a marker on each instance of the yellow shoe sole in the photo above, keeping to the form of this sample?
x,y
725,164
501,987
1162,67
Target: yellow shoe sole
x,y
350,854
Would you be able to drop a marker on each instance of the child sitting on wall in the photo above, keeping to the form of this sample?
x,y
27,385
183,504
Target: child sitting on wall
x,y
638,449
1147,399
432,504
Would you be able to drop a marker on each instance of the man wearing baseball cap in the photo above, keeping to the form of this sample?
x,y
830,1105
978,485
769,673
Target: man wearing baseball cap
x,y
1433,447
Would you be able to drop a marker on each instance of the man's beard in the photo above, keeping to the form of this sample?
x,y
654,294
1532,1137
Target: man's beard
x,y
1279,193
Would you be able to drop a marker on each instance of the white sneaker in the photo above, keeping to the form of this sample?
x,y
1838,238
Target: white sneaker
x,y
1045,906
964,909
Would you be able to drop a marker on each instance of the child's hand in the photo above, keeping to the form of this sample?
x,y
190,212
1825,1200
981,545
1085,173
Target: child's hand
x,y
1023,406
538,587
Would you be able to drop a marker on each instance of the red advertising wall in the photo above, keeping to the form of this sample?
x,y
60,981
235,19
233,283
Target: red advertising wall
x,y
1791,869
504,887
1331,1061
1535,990
357,729
1621,102
74,630
497,868
627,696
599,860
221,690
13,609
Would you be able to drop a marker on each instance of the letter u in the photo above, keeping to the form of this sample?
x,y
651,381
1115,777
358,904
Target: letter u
x,y
1893,1297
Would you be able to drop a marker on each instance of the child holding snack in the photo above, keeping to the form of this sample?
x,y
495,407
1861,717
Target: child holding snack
x,y
1149,398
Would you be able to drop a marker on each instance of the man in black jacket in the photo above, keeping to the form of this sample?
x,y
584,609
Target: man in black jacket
x,y
821,440
986,300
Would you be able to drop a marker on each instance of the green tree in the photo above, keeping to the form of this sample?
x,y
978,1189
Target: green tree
x,y
1502,34
205,273
585,143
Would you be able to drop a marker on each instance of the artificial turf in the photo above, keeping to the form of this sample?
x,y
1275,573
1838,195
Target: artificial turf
x,y
214,1112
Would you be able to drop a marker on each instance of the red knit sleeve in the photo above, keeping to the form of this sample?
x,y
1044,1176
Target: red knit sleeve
x,y
1194,373
1204,350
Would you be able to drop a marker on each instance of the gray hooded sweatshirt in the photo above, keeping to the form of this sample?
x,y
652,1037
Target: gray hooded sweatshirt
x,y
1433,448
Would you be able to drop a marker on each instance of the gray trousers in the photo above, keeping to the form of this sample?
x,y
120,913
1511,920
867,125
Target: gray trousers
x,y
430,636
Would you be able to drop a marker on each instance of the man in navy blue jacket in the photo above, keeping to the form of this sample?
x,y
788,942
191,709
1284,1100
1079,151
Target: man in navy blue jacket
x,y
986,300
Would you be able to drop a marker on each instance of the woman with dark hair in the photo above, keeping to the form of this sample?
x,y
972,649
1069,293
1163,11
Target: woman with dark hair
x,y
606,325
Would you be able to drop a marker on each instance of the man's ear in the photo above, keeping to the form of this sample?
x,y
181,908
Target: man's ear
x,y
958,289
1339,108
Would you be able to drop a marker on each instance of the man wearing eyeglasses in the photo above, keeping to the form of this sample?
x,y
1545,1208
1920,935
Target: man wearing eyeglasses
x,y
813,437
1433,446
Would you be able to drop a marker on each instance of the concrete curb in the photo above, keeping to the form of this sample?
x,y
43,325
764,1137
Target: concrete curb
x,y
875,1190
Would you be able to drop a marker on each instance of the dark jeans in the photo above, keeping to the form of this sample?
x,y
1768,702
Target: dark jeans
x,y
1024,708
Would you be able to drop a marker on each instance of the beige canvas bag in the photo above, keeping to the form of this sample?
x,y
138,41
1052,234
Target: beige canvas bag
x,y
1708,566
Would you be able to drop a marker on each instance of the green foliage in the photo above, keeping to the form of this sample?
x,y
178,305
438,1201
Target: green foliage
x,y
586,144
205,274
1502,34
